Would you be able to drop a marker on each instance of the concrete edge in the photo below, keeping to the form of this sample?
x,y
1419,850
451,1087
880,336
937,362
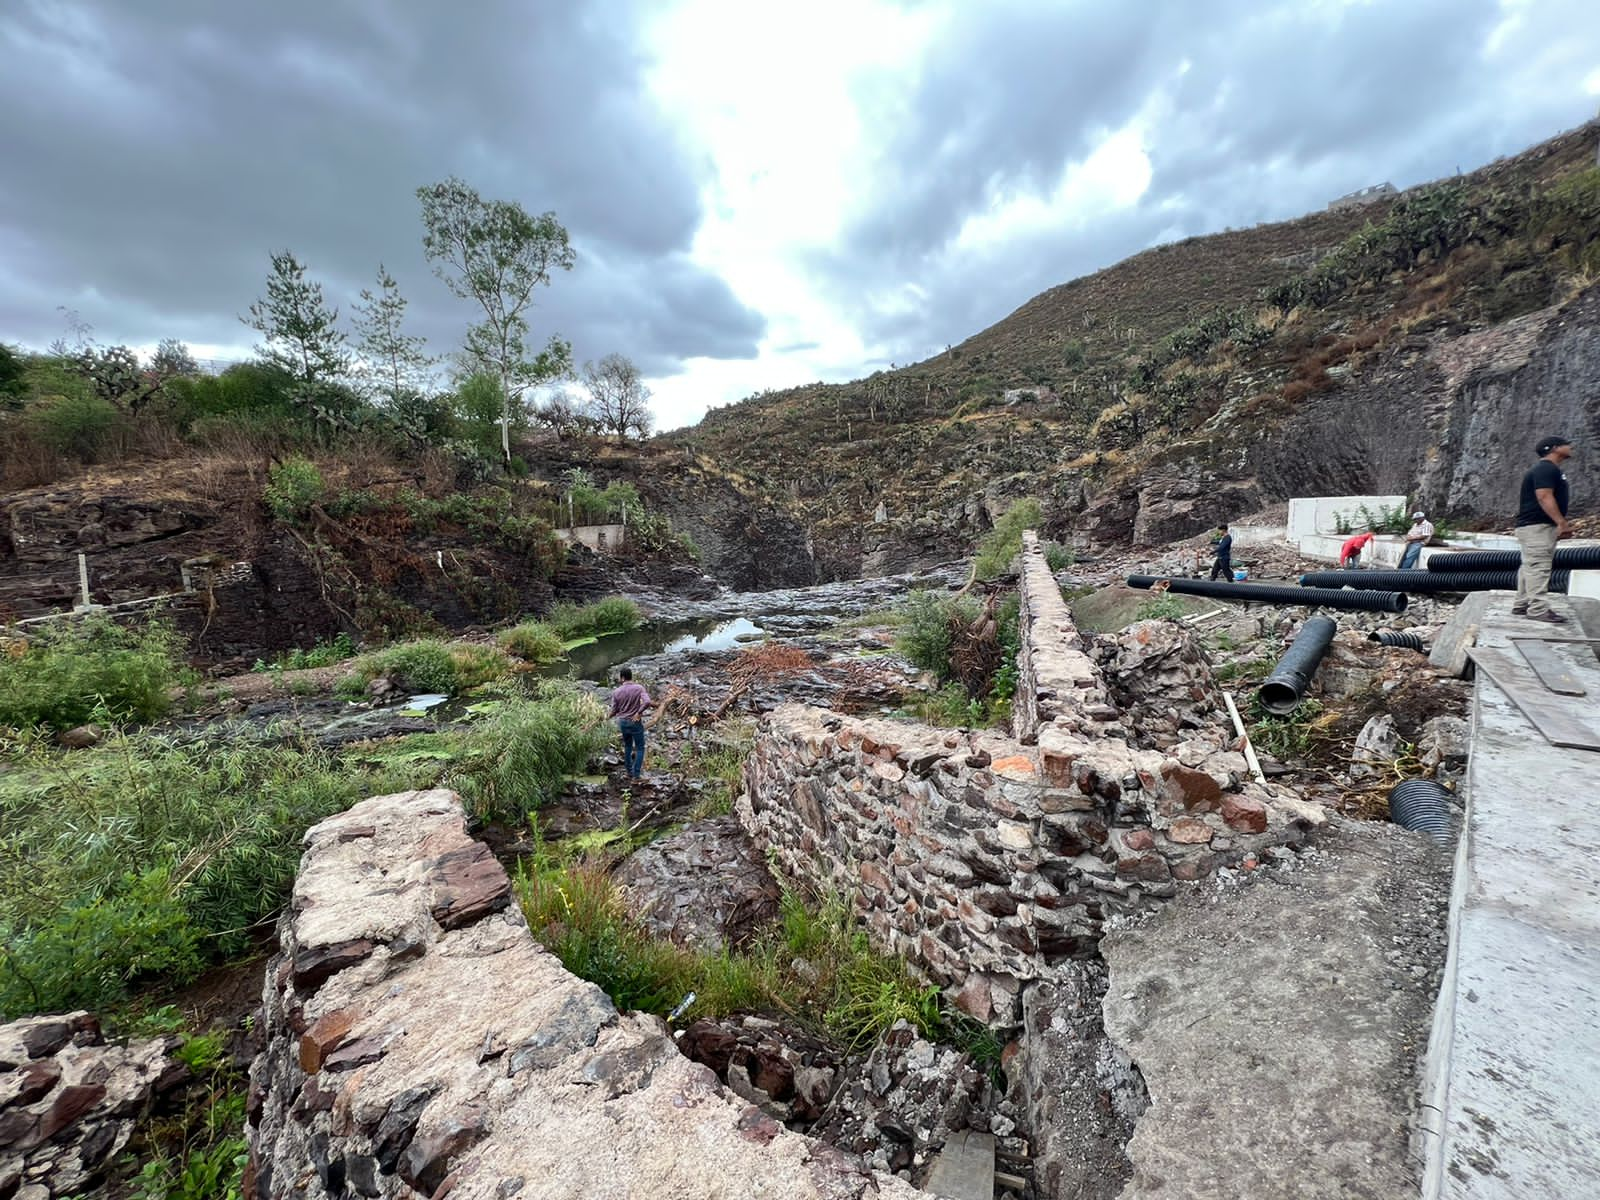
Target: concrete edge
x,y
1428,1138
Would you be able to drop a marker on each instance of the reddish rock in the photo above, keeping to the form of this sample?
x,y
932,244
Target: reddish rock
x,y
37,1078
325,1034
873,877
1189,789
1245,813
974,998
70,1105
469,884
1147,868
1016,767
1194,868
1190,831
1139,839
315,965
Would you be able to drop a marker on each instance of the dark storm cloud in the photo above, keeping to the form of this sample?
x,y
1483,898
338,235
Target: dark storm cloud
x,y
1261,112
154,153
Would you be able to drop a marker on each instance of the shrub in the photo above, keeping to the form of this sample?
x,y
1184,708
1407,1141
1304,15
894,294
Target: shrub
x,y
292,488
79,425
1004,541
519,759
924,639
93,668
1058,557
1160,609
614,614
532,641
323,654
430,665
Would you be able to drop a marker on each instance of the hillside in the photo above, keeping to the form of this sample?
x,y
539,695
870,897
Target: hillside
x,y
1343,351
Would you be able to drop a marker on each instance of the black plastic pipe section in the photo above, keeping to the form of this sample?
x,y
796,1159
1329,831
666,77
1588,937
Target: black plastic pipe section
x,y
1281,594
1289,679
1426,581
1585,558
1423,805
1398,637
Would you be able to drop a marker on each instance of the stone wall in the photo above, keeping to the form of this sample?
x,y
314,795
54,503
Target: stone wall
x,y
987,861
420,1042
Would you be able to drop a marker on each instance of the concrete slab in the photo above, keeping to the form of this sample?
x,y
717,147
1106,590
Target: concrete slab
x,y
964,1168
1512,1096
1280,1023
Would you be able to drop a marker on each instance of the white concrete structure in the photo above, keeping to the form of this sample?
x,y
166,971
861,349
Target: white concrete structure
x,y
1511,1098
1327,514
601,539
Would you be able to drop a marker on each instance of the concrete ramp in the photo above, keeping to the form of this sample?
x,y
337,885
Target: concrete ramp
x,y
1512,1098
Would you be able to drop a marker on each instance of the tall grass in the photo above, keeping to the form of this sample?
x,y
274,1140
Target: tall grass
x,y
142,857
1004,541
614,614
813,964
74,670
431,665
518,759
532,641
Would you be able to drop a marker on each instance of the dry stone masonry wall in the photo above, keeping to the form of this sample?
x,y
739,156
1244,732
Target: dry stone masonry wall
x,y
421,1043
987,861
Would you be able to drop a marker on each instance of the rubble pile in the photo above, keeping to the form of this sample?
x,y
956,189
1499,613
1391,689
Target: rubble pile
x,y
1160,679
706,886
789,1075
69,1102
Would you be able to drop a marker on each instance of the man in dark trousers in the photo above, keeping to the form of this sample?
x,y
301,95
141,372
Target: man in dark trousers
x,y
1541,523
1223,567
628,705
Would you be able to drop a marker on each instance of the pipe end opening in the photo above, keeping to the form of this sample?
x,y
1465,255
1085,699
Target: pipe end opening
x,y
1278,699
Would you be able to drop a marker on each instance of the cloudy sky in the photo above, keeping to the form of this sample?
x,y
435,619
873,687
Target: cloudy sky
x,y
760,192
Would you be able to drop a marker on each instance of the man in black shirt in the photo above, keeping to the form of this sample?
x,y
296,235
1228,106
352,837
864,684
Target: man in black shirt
x,y
1541,522
1223,567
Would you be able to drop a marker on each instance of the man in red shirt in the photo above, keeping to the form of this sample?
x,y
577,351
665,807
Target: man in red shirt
x,y
628,705
1350,552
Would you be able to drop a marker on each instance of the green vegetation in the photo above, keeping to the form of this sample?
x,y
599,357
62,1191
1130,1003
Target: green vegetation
x,y
814,964
142,857
517,759
614,614
1058,557
925,629
1004,542
718,761
293,487
532,641
74,671
1161,608
198,1152
929,626
323,654
1293,735
431,665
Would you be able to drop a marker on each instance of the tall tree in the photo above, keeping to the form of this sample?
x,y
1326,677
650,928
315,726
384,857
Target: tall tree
x,y
172,360
301,332
618,397
494,253
395,361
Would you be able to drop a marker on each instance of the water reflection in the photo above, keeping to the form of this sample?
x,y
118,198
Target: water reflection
x,y
596,660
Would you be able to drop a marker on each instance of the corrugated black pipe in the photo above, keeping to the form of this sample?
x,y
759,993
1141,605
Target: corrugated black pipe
x,y
1398,637
1289,679
1585,558
1268,593
1423,582
1423,805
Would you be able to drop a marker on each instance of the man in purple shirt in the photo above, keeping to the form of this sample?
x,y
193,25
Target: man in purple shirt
x,y
628,705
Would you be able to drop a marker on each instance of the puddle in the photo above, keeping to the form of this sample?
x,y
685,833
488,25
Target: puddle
x,y
595,660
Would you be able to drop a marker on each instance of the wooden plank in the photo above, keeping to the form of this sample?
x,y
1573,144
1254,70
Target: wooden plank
x,y
1555,718
964,1168
1553,670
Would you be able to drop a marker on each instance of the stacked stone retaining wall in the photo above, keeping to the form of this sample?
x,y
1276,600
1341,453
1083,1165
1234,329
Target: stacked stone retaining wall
x,y
421,1043
985,860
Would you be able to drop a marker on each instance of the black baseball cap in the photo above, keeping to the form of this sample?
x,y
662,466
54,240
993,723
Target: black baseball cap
x,y
1550,443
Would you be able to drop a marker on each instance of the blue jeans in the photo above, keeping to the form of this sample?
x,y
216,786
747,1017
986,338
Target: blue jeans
x,y
632,746
1409,559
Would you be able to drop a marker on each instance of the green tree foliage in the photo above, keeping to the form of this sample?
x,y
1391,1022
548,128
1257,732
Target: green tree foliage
x,y
393,362
300,331
496,254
